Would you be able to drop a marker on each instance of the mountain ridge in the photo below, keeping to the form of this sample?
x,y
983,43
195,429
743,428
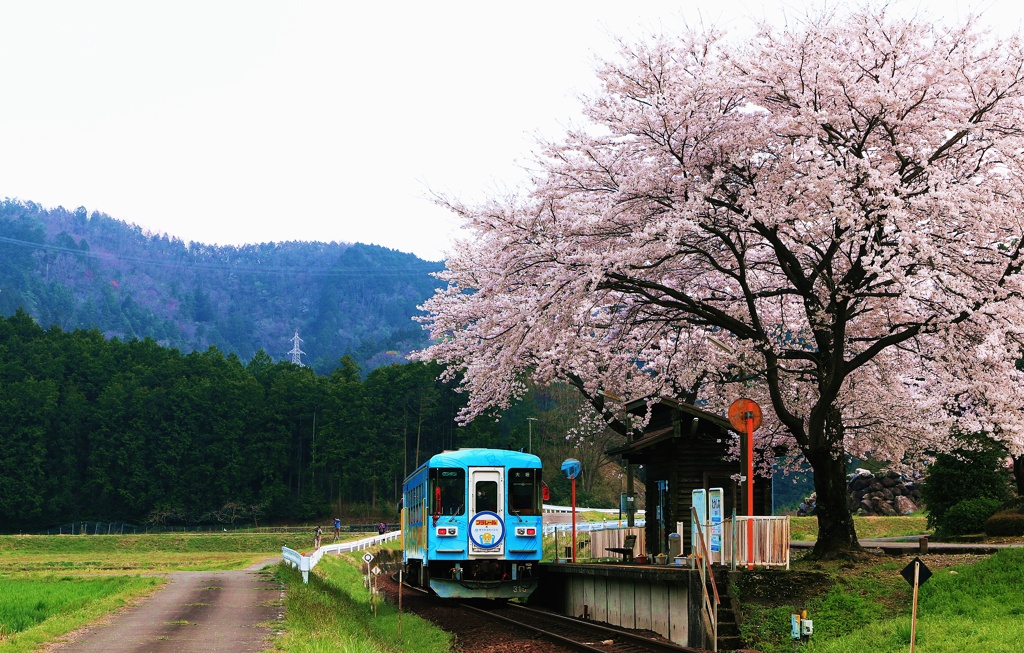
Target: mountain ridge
x,y
73,269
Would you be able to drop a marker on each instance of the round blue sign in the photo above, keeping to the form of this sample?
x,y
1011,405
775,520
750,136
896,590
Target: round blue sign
x,y
486,529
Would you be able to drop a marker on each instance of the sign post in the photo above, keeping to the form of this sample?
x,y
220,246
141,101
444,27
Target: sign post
x,y
698,517
367,558
915,573
572,468
745,417
715,498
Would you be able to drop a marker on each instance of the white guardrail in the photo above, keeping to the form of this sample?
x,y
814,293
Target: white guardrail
x,y
304,563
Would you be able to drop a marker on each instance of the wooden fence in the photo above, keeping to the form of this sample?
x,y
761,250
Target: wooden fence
x,y
771,542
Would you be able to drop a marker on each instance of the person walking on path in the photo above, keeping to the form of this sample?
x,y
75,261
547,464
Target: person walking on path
x,y
337,529
316,538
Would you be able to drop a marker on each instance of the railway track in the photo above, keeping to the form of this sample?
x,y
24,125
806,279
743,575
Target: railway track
x,y
577,634
570,633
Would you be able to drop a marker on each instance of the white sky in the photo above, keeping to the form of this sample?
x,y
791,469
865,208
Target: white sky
x,y
243,121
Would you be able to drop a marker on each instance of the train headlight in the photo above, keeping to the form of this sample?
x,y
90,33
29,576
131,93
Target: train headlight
x,y
447,531
526,531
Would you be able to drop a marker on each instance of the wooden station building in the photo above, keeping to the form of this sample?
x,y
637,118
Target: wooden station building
x,y
684,448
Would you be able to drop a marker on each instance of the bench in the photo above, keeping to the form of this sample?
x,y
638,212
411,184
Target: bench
x,y
625,551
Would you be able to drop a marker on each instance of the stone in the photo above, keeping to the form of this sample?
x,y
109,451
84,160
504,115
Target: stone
x,y
904,506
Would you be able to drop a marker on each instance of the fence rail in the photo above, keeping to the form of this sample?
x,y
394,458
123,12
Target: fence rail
x,y
305,563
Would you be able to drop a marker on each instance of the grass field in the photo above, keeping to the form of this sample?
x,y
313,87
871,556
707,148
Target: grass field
x,y
806,528
137,554
971,603
51,585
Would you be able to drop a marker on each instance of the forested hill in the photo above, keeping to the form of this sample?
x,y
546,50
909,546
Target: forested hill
x,y
76,270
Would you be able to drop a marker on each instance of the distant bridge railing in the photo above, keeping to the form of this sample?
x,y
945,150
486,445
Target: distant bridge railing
x,y
305,563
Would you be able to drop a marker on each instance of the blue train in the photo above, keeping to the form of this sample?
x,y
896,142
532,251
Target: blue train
x,y
472,524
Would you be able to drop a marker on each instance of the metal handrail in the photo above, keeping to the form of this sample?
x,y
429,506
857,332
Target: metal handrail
x,y
705,570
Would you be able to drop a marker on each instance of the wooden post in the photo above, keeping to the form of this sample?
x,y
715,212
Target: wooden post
x,y
913,614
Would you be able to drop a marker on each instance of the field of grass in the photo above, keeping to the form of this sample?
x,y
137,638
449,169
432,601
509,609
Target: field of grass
x,y
806,528
38,610
139,554
971,603
51,585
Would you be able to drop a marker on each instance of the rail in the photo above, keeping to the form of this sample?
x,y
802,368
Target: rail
x,y
305,563
709,609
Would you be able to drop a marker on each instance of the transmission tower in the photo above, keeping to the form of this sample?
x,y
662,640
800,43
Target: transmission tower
x,y
296,352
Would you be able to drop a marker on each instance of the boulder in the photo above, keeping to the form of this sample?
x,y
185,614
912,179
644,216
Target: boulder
x,y
904,506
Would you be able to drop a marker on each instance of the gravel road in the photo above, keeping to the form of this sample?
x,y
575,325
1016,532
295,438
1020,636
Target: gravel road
x,y
196,612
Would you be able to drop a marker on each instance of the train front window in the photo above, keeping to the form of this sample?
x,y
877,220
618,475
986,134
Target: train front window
x,y
486,496
447,491
524,491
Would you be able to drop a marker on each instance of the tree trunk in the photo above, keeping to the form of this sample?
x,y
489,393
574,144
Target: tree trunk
x,y
1018,473
836,533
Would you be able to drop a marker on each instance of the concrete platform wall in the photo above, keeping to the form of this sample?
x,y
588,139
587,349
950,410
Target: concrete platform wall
x,y
629,598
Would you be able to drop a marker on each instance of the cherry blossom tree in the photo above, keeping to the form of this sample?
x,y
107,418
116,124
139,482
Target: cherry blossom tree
x,y
825,218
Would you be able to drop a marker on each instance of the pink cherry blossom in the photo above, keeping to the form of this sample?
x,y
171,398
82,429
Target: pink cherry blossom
x,y
827,219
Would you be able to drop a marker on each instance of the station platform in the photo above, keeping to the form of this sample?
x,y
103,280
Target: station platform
x,y
665,599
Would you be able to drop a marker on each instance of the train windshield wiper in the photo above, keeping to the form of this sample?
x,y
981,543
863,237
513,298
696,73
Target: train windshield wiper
x,y
455,513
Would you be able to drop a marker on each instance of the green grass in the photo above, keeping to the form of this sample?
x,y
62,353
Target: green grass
x,y
34,611
51,585
335,612
154,553
806,528
98,574
969,604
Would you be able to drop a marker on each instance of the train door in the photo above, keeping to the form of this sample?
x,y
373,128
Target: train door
x,y
487,507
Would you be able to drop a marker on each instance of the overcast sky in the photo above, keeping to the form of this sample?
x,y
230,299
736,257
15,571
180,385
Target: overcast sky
x,y
243,122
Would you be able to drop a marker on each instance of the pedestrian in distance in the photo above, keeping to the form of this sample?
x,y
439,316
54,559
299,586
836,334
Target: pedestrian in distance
x,y
337,529
382,528
316,537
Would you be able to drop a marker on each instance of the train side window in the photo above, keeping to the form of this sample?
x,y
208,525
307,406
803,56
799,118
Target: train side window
x,y
524,491
452,485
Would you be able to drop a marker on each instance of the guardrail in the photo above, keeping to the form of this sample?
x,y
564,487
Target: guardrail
x,y
305,563
709,607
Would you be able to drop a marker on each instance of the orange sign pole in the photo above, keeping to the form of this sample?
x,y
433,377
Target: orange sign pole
x,y
745,416
750,488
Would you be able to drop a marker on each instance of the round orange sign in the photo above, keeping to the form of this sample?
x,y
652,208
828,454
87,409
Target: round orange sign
x,y
740,411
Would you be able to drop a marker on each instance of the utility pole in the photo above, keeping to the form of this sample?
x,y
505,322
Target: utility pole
x,y
530,421
296,352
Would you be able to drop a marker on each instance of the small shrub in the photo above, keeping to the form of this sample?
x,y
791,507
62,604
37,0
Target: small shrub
x,y
974,470
1005,524
967,516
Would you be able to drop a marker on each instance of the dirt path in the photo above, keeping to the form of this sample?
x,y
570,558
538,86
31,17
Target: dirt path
x,y
196,612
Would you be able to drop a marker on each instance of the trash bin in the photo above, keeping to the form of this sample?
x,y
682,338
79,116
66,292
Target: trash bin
x,y
675,545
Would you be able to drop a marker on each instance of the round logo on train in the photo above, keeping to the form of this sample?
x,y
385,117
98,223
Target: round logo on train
x,y
487,530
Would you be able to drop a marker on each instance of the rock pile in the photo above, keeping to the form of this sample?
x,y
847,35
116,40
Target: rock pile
x,y
887,494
